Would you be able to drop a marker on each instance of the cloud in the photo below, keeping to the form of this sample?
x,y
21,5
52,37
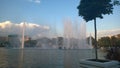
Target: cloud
x,y
103,33
35,1
31,29
108,32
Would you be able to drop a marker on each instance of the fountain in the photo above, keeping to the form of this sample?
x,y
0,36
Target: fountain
x,y
90,41
75,35
48,50
23,32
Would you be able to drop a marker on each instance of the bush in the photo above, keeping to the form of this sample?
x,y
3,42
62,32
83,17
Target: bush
x,y
113,53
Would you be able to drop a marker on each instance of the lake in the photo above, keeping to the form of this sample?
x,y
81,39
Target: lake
x,y
45,58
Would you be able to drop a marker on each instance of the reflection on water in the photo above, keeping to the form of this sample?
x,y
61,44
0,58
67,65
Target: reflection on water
x,y
42,58
3,58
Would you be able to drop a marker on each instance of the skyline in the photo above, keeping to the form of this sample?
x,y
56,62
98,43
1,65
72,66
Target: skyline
x,y
52,13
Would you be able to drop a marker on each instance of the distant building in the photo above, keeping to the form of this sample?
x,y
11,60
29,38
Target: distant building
x,y
44,43
14,40
60,42
3,39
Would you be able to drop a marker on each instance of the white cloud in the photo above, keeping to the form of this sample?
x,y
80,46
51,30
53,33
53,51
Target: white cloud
x,y
31,29
107,33
35,1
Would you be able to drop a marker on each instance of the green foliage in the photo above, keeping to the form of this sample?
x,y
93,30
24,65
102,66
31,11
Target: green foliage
x,y
113,53
91,9
113,41
116,2
112,45
104,42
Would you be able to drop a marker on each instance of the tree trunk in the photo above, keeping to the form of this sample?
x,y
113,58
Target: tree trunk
x,y
96,55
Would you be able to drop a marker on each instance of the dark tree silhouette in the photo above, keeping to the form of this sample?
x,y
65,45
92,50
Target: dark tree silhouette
x,y
92,9
104,42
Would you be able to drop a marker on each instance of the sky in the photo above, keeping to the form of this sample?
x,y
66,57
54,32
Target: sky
x,y
52,13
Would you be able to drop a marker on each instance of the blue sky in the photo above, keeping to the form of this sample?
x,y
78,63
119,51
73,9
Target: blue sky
x,y
30,11
52,12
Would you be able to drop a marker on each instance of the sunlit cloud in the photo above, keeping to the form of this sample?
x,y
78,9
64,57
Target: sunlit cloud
x,y
108,32
104,33
5,24
31,29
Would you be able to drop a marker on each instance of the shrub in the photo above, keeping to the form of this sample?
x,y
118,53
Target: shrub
x,y
113,53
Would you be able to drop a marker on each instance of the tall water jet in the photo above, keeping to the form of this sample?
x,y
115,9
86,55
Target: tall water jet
x,y
68,34
23,32
75,35
90,41
82,44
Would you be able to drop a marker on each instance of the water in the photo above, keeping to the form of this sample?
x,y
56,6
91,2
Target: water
x,y
49,52
75,35
44,58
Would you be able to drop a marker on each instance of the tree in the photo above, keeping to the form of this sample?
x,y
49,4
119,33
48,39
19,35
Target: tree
x,y
115,41
104,42
92,9
118,36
